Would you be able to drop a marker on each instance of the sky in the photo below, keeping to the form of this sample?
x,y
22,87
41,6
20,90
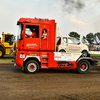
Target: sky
x,y
81,16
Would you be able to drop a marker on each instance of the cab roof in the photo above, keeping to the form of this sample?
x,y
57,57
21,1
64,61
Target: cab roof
x,y
33,20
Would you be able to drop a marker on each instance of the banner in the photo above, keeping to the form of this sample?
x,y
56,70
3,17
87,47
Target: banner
x,y
97,40
60,56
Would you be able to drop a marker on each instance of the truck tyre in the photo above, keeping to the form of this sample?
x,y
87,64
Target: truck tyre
x,y
62,50
83,66
1,53
31,67
84,54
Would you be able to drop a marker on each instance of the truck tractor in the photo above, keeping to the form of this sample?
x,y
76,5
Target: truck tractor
x,y
37,48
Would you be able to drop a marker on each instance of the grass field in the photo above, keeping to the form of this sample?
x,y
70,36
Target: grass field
x,y
6,59
95,55
99,62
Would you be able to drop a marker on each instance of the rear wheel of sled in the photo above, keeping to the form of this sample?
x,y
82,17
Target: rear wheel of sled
x,y
83,66
31,67
62,50
84,54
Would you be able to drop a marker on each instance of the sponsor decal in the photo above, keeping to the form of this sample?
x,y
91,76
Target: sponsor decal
x,y
66,56
66,53
65,64
57,57
32,54
44,55
40,21
74,47
76,54
31,45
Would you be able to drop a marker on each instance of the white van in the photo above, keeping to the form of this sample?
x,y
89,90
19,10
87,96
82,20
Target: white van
x,y
71,44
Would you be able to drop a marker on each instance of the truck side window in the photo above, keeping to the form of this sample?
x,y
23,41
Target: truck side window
x,y
70,41
65,39
73,41
32,31
58,40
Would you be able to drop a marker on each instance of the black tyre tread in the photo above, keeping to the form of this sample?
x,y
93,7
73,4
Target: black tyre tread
x,y
86,52
62,50
78,66
31,61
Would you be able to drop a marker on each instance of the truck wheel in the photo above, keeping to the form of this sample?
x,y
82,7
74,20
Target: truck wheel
x,y
1,53
62,50
84,54
83,66
31,67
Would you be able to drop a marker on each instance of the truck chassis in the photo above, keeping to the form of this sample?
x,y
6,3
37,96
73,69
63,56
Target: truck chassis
x,y
34,61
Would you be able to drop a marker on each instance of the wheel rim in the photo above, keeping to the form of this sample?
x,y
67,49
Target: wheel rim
x,y
84,67
32,67
84,54
0,53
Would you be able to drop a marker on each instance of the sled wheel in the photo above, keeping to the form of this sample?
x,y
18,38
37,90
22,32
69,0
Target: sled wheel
x,y
31,67
83,66
62,50
84,53
1,53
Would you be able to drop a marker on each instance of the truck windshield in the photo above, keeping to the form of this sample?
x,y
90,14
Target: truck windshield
x,y
20,31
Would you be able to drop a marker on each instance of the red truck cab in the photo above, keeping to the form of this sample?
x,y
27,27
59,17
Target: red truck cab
x,y
39,43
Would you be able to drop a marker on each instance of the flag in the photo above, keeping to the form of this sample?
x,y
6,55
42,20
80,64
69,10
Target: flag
x,y
97,40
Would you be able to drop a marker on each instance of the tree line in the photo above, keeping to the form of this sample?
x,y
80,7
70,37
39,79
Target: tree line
x,y
90,37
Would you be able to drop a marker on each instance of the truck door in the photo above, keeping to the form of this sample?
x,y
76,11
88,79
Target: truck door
x,y
73,45
45,38
31,40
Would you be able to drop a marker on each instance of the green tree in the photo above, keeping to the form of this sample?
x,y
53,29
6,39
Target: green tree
x,y
98,35
75,35
90,38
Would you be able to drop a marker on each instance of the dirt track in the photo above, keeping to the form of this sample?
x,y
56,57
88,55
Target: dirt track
x,y
48,84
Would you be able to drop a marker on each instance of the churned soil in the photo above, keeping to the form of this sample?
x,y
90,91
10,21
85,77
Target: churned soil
x,y
96,58
48,84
